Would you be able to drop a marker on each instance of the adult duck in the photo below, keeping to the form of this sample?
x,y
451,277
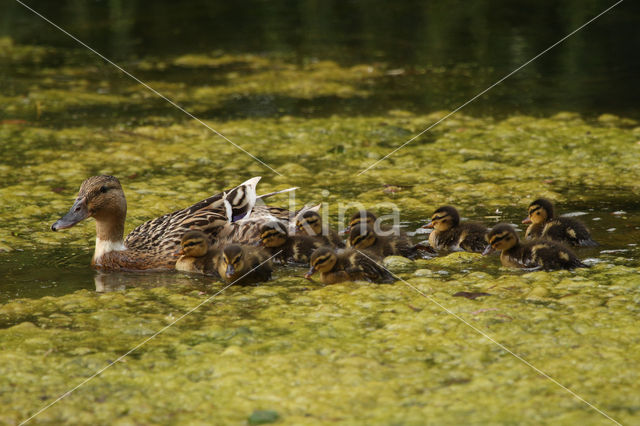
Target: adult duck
x,y
224,217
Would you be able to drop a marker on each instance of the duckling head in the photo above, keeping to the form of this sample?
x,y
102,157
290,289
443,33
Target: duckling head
x,y
233,261
444,218
360,237
359,217
100,197
501,237
309,223
194,244
322,260
273,234
539,211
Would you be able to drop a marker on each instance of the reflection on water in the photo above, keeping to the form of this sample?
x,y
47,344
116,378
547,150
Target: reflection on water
x,y
440,54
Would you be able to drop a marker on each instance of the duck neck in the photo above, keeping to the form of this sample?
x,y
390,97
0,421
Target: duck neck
x,y
109,235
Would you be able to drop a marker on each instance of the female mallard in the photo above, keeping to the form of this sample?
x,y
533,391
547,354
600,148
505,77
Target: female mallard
x,y
449,234
223,217
348,265
545,225
542,254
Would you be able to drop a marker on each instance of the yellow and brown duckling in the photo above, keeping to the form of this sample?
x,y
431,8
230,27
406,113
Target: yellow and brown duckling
x,y
197,255
359,217
449,234
361,238
544,224
310,224
542,254
348,265
243,265
287,248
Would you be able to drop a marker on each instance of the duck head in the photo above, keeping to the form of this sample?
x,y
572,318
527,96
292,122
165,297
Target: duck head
x,y
501,237
193,244
444,218
360,238
233,261
539,211
322,260
309,223
273,234
360,217
102,198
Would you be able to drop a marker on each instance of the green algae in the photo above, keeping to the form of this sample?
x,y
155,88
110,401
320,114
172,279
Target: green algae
x,y
352,353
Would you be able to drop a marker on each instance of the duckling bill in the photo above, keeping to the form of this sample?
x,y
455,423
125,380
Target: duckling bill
x,y
544,224
543,254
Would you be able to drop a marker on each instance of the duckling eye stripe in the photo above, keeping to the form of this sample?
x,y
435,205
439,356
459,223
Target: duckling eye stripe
x,y
491,339
490,87
533,210
153,336
151,89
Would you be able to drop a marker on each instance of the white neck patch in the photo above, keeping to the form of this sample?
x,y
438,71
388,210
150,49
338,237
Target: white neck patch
x,y
106,246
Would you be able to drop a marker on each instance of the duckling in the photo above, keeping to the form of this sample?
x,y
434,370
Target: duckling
x,y
544,224
349,265
291,248
244,265
449,234
310,223
362,238
543,254
361,216
196,254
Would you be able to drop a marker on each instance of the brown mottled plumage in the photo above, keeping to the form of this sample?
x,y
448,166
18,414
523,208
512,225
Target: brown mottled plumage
x,y
310,223
290,248
348,265
543,254
544,224
152,245
449,234
197,255
362,238
243,265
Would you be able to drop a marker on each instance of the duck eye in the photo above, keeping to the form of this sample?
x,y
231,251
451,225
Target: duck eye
x,y
104,188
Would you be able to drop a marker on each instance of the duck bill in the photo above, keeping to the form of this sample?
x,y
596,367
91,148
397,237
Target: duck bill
x,y
488,250
428,225
178,252
526,220
230,271
77,213
345,231
259,243
311,271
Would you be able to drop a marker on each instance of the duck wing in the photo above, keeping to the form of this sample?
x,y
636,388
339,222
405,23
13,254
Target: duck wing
x,y
161,236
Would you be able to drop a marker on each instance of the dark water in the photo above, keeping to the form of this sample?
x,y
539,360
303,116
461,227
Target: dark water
x,y
445,52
